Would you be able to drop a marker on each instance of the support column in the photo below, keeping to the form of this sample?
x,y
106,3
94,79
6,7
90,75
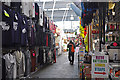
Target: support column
x,y
88,38
0,42
104,14
100,25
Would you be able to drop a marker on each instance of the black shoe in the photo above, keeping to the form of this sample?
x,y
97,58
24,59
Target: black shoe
x,y
72,63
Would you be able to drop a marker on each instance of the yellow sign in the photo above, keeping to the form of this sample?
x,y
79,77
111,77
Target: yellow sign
x,y
99,65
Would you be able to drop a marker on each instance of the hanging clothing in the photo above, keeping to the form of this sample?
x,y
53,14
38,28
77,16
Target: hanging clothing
x,y
10,64
7,24
46,39
32,39
49,40
40,59
18,57
40,16
32,35
29,31
3,69
25,8
36,12
33,59
22,65
37,27
42,38
37,54
44,56
16,27
20,60
33,10
27,62
24,27
35,36
16,6
45,23
8,3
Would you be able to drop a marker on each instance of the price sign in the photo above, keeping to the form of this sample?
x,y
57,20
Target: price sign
x,y
100,66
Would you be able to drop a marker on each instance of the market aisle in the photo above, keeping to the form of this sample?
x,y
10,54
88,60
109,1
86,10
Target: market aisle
x,y
61,69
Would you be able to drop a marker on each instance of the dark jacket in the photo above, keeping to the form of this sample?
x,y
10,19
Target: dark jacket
x,y
70,46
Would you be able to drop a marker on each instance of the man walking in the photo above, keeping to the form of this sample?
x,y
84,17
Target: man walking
x,y
71,47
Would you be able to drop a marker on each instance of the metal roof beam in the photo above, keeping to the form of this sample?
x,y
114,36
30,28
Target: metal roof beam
x,y
53,9
43,5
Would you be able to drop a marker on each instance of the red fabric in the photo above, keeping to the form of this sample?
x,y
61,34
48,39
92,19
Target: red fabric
x,y
111,26
47,40
36,13
52,27
55,54
72,49
33,60
33,54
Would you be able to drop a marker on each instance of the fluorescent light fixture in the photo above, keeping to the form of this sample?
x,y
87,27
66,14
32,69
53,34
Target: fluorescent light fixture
x,y
57,9
71,18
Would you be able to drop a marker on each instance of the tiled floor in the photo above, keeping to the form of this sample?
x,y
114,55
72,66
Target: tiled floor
x,y
60,69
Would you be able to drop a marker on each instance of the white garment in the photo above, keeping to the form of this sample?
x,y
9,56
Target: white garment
x,y
23,61
40,16
22,64
77,49
33,9
7,2
18,56
10,63
25,8
15,69
28,8
28,62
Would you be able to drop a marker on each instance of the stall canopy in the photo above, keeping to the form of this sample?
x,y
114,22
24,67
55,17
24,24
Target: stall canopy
x,y
88,8
76,9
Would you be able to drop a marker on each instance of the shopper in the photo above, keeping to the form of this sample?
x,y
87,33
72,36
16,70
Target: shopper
x,y
71,47
77,49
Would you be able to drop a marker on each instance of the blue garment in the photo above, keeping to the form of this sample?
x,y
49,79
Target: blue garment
x,y
36,12
32,33
16,27
24,27
16,6
32,36
7,24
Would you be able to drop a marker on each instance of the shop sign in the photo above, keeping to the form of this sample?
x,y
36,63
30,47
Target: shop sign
x,y
100,66
114,45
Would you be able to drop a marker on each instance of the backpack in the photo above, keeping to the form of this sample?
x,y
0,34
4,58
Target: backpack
x,y
72,49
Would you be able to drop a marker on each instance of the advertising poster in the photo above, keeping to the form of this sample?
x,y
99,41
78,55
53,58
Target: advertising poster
x,y
100,67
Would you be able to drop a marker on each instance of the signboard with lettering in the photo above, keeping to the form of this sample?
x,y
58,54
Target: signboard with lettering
x,y
100,66
114,45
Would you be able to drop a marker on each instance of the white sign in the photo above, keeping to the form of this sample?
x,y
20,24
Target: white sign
x,y
100,66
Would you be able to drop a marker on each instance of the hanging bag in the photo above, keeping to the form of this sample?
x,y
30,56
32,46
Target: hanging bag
x,y
72,49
